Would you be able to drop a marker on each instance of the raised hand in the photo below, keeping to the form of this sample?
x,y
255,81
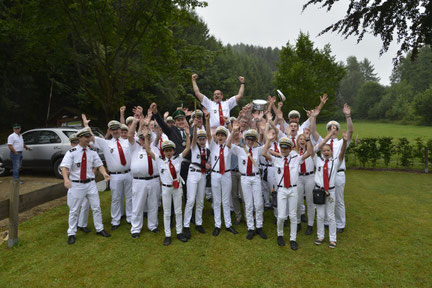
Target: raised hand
x,y
122,109
226,119
186,130
194,77
241,79
324,98
271,136
334,130
153,107
314,113
347,110
280,104
345,135
207,115
166,114
84,120
235,125
146,131
306,132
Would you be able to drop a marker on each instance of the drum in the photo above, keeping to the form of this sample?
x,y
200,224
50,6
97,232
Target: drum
x,y
101,185
281,95
259,105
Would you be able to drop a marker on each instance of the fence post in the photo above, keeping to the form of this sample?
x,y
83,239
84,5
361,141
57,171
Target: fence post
x,y
13,212
426,160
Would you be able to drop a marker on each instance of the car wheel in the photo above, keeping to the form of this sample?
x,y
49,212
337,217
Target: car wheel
x,y
57,168
3,170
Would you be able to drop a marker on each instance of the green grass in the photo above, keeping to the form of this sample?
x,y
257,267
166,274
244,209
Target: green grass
x,y
387,243
377,129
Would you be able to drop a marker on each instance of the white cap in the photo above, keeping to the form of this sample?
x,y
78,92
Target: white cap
x,y
333,123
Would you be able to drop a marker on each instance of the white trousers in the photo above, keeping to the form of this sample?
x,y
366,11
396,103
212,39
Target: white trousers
x,y
221,191
196,183
305,186
328,210
169,195
120,184
340,202
144,192
253,198
76,195
287,197
84,213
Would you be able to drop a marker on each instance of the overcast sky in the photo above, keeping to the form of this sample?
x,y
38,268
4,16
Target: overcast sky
x,y
275,22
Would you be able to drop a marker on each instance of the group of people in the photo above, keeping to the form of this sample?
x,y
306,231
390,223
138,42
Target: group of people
x,y
256,161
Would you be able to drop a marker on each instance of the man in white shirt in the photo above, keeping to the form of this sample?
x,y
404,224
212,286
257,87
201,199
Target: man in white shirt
x,y
218,108
16,145
117,157
77,170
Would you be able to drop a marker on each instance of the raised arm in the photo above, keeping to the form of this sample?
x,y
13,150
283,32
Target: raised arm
x,y
309,149
313,115
165,128
265,150
197,92
131,131
345,136
122,118
194,135
188,142
350,126
231,136
147,143
207,125
239,96
86,122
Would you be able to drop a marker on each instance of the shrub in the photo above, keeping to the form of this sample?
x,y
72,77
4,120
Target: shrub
x,y
386,148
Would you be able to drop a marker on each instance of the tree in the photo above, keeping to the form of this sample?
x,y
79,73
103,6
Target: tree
x,y
408,19
351,82
423,105
306,72
368,71
368,95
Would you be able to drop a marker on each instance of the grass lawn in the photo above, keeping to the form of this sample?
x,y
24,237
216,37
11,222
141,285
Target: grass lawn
x,y
377,129
387,243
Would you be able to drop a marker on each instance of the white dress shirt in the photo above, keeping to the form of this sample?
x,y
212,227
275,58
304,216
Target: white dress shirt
x,y
16,141
213,108
73,161
111,153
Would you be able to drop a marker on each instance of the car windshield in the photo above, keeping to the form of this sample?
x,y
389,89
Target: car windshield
x,y
68,132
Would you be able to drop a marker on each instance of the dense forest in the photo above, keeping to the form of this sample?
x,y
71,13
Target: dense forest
x,y
95,56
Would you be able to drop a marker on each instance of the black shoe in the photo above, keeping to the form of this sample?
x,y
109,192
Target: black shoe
x,y
280,241
294,245
261,233
84,229
156,230
71,239
187,233
232,230
340,230
267,208
216,231
200,229
303,218
326,226
210,200
250,234
103,233
145,214
285,223
167,241
114,227
298,227
237,221
309,230
181,237
135,235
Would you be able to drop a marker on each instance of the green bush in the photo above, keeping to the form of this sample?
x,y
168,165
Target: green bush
x,y
386,149
405,152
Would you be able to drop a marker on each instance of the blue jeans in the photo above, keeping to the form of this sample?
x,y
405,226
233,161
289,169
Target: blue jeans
x,y
16,163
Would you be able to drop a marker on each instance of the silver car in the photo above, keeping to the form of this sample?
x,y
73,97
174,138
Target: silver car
x,y
48,145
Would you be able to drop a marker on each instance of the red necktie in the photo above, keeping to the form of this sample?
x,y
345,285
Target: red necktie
x,y
331,143
83,174
122,156
249,163
221,120
287,177
303,165
221,160
325,175
203,162
160,147
276,148
174,175
293,139
150,165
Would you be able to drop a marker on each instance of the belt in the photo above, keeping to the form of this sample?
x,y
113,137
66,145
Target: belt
x,y
307,173
146,178
195,170
341,170
186,161
266,165
220,173
122,172
323,187
167,185
88,180
280,186
253,174
235,170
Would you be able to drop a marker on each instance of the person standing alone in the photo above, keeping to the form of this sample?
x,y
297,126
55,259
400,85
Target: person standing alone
x,y
16,145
